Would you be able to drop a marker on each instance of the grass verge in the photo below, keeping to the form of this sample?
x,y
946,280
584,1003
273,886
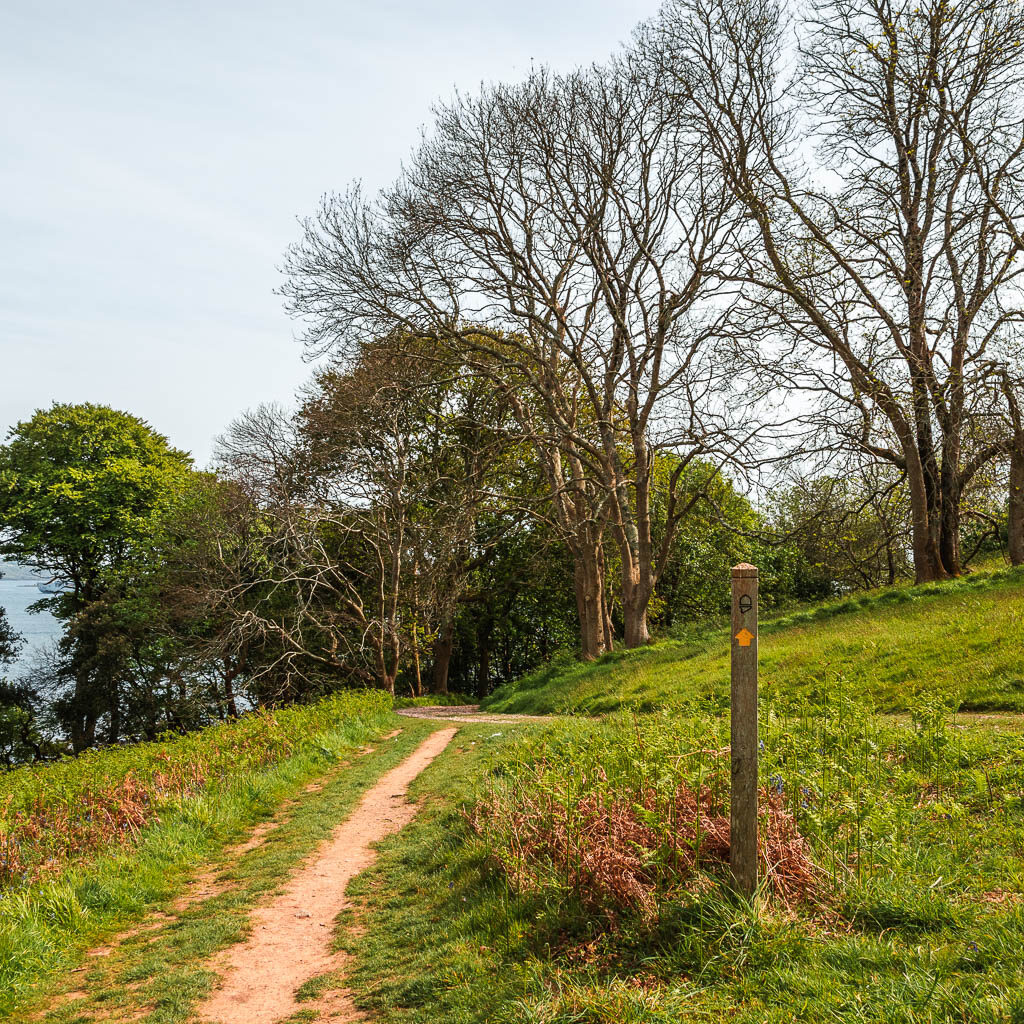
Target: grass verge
x,y
63,811
45,929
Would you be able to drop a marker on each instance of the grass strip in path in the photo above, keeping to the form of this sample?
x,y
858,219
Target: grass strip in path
x,y
161,971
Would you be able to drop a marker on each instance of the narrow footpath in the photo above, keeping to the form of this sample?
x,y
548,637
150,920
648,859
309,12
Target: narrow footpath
x,y
469,713
292,936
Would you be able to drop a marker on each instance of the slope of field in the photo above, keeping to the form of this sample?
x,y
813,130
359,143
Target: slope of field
x,y
960,642
574,870
579,874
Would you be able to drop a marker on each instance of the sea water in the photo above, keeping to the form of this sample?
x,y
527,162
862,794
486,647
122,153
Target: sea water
x,y
38,629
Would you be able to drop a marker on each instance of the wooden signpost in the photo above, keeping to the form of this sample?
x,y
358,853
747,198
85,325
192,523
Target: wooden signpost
x,y
743,730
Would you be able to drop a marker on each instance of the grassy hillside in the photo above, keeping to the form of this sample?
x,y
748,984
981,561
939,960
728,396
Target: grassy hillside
x,y
579,874
961,642
575,870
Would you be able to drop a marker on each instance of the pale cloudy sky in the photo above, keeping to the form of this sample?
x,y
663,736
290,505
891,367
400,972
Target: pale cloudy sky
x,y
154,157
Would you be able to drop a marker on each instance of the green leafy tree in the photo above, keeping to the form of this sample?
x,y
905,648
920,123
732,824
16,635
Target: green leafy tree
x,y
849,532
10,642
82,491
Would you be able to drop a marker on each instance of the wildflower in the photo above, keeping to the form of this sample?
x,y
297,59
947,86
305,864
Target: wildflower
x,y
776,783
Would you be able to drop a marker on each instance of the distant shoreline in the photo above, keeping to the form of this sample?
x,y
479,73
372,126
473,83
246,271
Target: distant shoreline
x,y
17,571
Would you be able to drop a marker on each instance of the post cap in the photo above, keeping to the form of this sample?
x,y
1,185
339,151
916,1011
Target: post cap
x,y
744,570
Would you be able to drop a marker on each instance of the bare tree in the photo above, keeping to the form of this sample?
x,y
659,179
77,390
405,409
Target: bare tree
x,y
878,149
565,232
288,607
370,485
402,449
553,419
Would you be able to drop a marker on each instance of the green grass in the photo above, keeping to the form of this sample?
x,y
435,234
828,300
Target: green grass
x,y
45,927
918,832
481,910
914,824
432,942
962,641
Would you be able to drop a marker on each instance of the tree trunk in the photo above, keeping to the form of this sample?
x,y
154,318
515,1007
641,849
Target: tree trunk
x,y
229,689
606,612
634,615
637,572
78,742
443,646
949,526
83,725
83,732
927,559
483,668
590,625
114,732
636,596
1015,523
417,686
589,584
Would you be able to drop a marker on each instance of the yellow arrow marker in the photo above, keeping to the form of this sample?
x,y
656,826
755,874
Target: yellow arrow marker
x,y
744,636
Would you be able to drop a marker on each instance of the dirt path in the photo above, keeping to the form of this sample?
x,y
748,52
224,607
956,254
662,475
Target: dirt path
x,y
469,713
291,937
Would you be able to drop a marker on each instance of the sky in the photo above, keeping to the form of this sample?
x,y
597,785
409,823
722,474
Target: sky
x,y
154,158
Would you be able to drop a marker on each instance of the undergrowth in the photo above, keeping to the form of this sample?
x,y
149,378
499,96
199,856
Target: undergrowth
x,y
856,787
54,812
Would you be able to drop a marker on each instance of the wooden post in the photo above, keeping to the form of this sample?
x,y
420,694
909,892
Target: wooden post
x,y
743,730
